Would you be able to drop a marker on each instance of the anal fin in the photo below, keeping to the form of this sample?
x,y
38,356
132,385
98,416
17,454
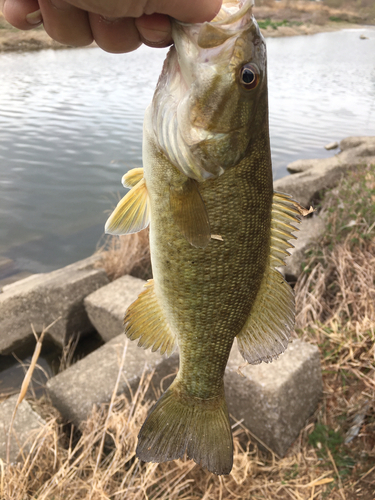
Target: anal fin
x,y
145,320
190,214
266,332
132,213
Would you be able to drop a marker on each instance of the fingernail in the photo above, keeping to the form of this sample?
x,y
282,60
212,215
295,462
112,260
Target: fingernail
x,y
34,17
111,19
61,5
155,36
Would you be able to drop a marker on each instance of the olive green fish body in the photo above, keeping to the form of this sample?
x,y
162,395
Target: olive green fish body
x,y
217,232
207,293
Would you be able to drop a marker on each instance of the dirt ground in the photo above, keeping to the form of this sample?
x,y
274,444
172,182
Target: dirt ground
x,y
284,18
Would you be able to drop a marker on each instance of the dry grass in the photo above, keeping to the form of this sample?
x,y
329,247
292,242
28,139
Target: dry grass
x,y
334,456
129,254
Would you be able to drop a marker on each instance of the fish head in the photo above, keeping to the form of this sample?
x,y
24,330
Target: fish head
x,y
211,97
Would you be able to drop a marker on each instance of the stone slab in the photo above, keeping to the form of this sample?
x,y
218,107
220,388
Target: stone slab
x,y
106,307
275,400
42,298
91,381
27,425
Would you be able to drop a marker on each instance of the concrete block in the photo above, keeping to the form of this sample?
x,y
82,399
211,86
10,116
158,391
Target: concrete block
x,y
42,298
27,425
106,307
275,400
91,381
21,275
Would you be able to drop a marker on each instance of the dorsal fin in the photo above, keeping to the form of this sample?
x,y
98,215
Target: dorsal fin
x,y
132,213
267,330
285,212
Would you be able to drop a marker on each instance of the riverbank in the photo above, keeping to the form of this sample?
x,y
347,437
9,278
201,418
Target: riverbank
x,y
276,19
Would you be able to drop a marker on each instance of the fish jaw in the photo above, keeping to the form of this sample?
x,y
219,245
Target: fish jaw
x,y
202,117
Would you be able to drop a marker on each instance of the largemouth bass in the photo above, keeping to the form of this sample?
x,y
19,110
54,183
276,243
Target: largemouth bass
x,y
217,232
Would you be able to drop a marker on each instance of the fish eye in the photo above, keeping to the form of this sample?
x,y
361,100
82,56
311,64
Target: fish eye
x,y
249,76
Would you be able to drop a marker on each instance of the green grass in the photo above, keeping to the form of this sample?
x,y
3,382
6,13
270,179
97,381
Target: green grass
x,y
336,19
277,24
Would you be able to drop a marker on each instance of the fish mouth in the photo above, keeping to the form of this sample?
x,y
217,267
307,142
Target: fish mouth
x,y
201,53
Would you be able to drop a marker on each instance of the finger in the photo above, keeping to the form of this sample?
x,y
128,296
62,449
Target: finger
x,y
15,12
192,11
65,23
155,30
111,8
115,35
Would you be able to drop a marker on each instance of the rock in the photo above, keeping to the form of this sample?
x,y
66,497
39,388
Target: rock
x,y
91,381
304,186
331,145
363,37
360,146
310,230
352,142
106,307
42,298
26,426
275,400
301,165
315,175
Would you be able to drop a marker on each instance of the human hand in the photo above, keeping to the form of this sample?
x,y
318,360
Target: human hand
x,y
116,26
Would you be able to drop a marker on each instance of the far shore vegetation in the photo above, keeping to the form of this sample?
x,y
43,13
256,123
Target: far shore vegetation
x,y
275,18
334,456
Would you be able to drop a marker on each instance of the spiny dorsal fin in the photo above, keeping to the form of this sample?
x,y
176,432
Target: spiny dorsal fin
x,y
145,320
267,330
285,212
190,214
131,178
132,213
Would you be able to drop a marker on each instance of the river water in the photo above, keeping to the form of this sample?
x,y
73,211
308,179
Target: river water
x,y
71,126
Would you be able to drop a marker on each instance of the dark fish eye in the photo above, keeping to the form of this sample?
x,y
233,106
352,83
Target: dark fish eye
x,y
249,76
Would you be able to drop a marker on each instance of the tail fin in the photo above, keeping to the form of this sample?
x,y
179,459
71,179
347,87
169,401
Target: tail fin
x,y
179,423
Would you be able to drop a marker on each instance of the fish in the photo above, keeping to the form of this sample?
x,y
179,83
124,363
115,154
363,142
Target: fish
x,y
218,232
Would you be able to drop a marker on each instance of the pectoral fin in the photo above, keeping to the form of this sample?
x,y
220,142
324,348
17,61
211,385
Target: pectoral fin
x,y
132,213
145,320
190,214
266,332
131,178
